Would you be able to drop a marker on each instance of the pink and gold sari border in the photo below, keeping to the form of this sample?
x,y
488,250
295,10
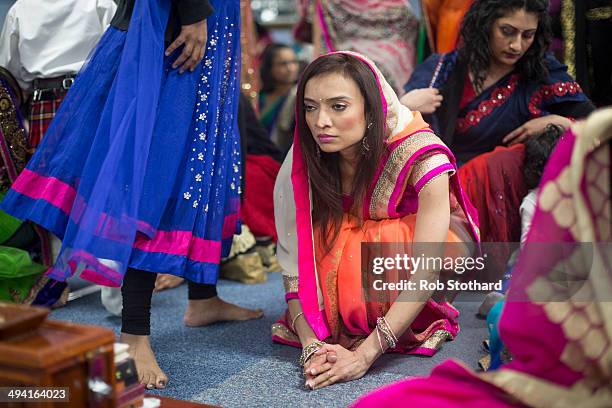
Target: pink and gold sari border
x,y
432,174
307,285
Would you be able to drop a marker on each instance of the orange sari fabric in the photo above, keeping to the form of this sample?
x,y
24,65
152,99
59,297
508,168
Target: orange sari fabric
x,y
444,21
350,317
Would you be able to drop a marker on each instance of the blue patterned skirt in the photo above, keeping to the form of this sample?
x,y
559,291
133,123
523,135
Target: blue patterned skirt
x,y
141,165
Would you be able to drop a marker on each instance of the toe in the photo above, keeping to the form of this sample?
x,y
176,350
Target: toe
x,y
146,380
162,381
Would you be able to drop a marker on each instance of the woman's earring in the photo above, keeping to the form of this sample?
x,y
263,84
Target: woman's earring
x,y
365,145
370,125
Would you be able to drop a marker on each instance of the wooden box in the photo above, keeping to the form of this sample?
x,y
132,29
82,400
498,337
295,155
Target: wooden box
x,y
61,354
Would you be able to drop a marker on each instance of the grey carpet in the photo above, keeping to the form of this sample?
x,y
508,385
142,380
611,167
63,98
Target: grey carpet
x,y
236,365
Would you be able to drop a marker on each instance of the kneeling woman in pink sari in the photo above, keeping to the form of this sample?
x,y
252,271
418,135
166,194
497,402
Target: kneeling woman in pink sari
x,y
363,168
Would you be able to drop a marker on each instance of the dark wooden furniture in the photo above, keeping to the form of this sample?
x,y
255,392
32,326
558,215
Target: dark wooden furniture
x,y
60,354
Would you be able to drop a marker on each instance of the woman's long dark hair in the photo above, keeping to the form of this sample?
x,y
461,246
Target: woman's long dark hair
x,y
268,83
476,30
323,168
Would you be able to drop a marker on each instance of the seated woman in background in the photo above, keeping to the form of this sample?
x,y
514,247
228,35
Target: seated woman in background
x,y
279,73
499,88
363,169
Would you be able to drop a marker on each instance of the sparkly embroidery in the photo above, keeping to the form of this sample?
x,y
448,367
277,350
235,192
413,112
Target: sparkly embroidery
x,y
423,166
15,139
499,96
279,330
599,14
568,23
387,181
450,172
291,283
548,91
210,159
437,339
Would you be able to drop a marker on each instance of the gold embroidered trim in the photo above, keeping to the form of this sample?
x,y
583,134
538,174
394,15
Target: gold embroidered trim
x,y
279,330
568,17
437,339
14,135
599,13
291,283
395,164
448,171
421,167
532,391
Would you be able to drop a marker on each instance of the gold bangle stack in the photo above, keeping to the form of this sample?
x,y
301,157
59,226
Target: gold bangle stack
x,y
309,351
385,329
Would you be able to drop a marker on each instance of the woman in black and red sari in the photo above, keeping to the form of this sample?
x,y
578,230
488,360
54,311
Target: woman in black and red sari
x,y
493,93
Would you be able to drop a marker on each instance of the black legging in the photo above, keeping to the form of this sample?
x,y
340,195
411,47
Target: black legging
x,y
137,290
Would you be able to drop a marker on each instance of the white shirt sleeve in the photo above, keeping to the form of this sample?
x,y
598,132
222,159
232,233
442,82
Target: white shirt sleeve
x,y
9,47
106,11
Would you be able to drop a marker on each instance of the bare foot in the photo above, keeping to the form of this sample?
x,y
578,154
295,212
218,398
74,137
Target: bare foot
x,y
167,281
202,312
149,372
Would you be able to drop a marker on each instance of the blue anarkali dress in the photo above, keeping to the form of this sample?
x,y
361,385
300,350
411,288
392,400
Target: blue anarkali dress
x,y
141,166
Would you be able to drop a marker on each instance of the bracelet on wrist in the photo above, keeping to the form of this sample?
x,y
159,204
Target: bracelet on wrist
x,y
297,316
387,333
309,350
382,350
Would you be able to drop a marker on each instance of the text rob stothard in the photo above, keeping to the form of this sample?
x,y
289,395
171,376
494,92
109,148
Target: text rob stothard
x,y
450,285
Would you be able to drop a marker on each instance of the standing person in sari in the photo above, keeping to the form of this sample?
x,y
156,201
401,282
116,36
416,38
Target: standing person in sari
x,y
562,351
279,73
139,173
498,89
385,31
375,172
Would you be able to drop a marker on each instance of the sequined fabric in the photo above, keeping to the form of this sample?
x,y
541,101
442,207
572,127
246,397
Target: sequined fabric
x,y
13,145
405,154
